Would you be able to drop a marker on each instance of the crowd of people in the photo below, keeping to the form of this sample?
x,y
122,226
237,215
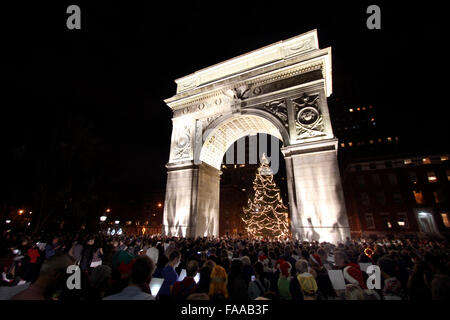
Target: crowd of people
x,y
224,268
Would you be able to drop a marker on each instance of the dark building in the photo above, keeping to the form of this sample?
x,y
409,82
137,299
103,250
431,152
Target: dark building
x,y
399,196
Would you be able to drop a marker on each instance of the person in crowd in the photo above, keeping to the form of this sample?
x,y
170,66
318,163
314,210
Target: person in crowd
x,y
52,277
284,281
99,282
259,285
170,275
218,284
325,288
237,286
138,288
182,289
308,284
152,252
52,247
392,288
440,285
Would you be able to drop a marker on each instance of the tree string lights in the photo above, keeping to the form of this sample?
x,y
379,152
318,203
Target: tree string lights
x,y
265,215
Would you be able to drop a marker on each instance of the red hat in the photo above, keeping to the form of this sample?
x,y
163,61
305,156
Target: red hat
x,y
262,258
279,262
316,259
125,268
284,267
353,274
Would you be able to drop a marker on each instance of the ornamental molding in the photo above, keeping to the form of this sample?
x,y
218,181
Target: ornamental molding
x,y
214,98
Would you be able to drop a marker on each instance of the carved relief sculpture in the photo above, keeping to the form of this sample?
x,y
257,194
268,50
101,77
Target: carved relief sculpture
x,y
308,120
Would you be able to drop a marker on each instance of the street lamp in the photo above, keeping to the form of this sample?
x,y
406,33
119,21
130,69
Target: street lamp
x,y
108,210
159,204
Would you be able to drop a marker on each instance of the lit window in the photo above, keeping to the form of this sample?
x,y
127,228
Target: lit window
x,y
242,165
371,141
350,144
342,145
426,160
407,161
358,108
419,197
445,219
370,223
402,220
389,139
431,176
364,108
351,110
444,158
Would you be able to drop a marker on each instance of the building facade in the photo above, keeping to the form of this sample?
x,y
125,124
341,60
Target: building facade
x,y
399,197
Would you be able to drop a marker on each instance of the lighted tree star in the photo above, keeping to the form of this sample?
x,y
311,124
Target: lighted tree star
x,y
265,215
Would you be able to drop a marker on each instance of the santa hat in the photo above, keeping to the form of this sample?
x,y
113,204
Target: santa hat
x,y
284,267
278,263
353,274
316,259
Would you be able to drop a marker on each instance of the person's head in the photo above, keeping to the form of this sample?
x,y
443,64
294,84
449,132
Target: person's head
x,y
259,268
315,261
387,266
341,259
191,268
53,272
142,270
218,282
100,277
174,258
245,261
301,266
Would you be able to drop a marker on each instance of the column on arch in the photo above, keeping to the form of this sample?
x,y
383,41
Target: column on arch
x,y
192,200
316,200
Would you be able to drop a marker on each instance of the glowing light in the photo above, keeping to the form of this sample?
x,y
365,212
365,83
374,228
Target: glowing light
x,y
8,221
401,223
143,230
108,210
117,222
351,110
265,215
103,218
20,212
159,205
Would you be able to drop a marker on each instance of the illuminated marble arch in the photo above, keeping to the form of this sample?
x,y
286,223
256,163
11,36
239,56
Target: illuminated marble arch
x,y
280,90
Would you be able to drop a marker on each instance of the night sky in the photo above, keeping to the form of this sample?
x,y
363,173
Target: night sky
x,y
101,89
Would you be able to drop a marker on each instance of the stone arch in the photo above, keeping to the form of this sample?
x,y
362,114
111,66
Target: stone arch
x,y
226,130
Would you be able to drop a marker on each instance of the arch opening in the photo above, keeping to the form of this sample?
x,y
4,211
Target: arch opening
x,y
218,139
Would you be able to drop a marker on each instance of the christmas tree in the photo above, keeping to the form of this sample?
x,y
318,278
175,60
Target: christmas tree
x,y
265,215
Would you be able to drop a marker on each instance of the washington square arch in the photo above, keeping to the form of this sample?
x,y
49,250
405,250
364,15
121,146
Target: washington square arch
x,y
280,90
